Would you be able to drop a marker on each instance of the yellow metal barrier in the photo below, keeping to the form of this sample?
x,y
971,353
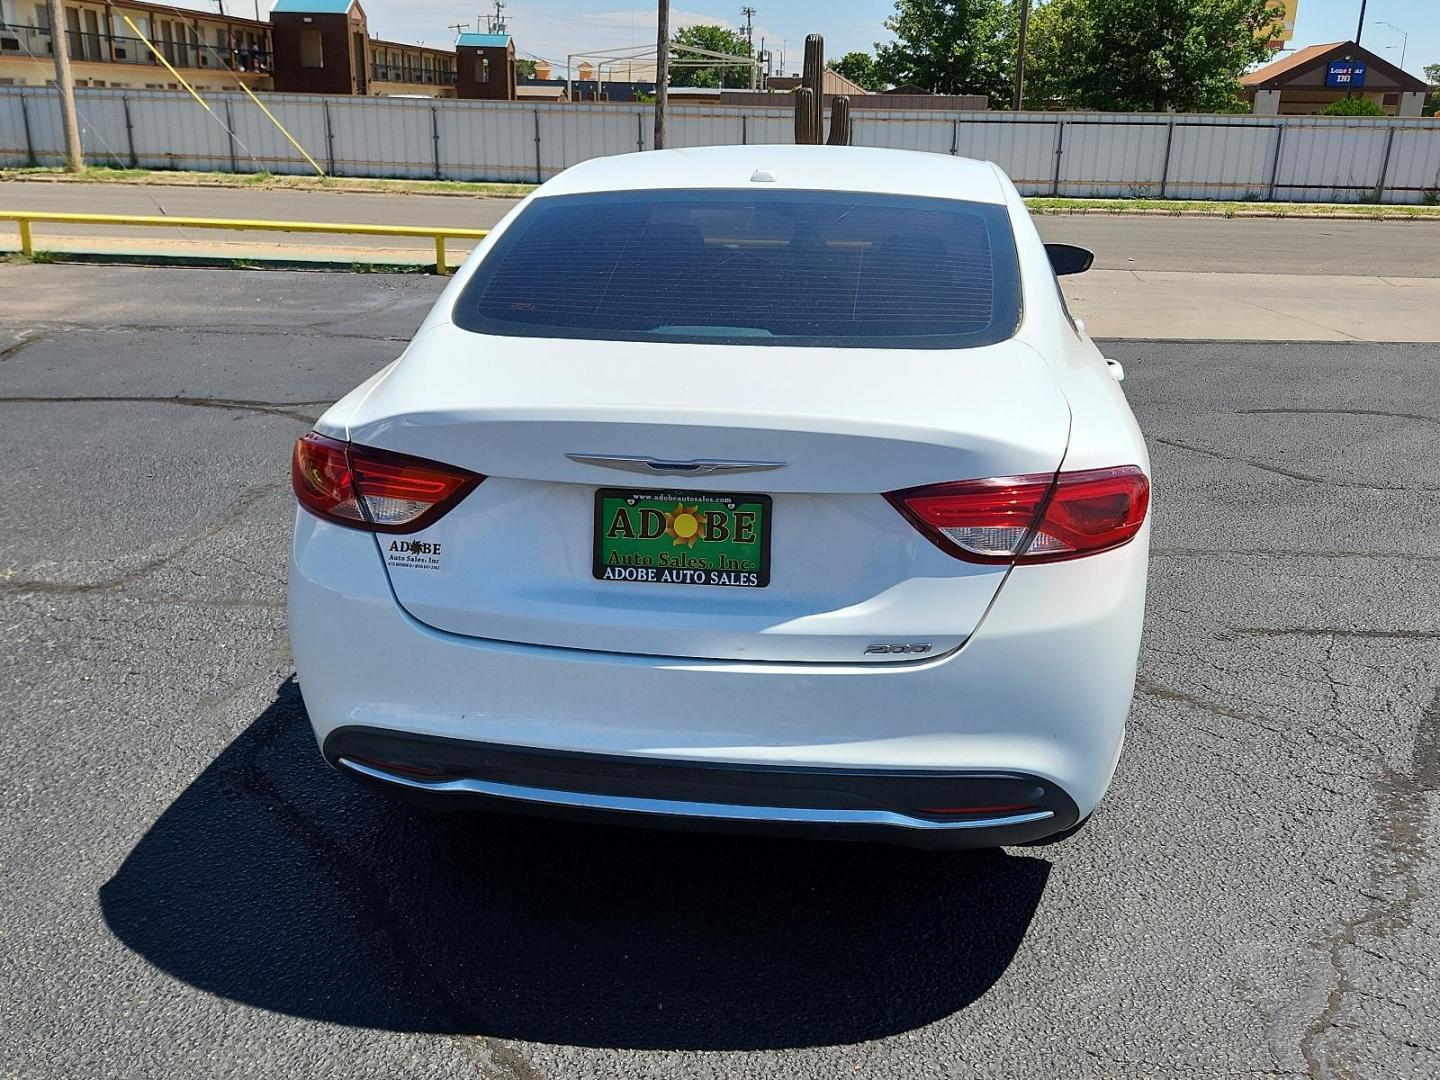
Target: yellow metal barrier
x,y
439,234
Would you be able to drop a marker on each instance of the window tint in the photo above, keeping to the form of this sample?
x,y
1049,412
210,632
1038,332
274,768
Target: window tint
x,y
759,268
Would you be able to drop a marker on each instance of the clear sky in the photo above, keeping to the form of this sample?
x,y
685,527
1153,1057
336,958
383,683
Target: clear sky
x,y
553,28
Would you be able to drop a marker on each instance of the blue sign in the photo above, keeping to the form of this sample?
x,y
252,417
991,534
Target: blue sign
x,y
1346,74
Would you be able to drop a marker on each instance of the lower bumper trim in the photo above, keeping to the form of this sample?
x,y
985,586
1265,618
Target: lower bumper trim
x,y
920,807
716,812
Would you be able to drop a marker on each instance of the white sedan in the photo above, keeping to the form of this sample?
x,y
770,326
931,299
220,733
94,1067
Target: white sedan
x,y
759,487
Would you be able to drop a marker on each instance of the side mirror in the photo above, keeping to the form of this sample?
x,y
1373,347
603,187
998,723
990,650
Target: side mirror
x,y
1069,258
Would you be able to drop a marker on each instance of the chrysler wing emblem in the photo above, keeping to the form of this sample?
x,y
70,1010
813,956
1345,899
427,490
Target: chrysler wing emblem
x,y
656,467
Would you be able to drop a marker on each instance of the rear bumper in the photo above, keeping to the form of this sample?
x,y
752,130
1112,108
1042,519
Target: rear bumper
x,y
944,809
1040,692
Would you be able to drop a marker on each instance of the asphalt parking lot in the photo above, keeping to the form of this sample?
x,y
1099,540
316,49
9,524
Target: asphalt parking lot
x,y
189,891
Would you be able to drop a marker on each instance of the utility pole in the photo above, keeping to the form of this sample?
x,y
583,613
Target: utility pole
x,y
497,21
1359,29
749,13
65,84
662,69
458,27
1018,98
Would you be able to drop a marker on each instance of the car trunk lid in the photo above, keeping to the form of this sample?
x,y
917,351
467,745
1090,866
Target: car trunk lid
x,y
818,435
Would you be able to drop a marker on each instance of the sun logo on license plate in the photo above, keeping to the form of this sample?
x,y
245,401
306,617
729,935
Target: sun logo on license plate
x,y
684,525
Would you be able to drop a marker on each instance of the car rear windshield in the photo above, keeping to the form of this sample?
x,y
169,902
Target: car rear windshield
x,y
753,268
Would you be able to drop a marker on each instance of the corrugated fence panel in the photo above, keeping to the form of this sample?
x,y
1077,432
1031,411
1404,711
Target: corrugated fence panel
x,y
769,126
170,131
43,115
103,137
375,139
1110,159
918,130
303,115
1414,171
1347,156
1216,159
704,126
15,150
576,133
1024,149
1073,154
488,143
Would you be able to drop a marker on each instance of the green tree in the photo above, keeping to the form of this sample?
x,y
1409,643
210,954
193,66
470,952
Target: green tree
x,y
1353,107
952,47
525,69
859,68
1432,74
712,38
1123,56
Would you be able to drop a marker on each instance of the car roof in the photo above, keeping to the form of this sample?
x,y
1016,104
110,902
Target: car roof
x,y
809,168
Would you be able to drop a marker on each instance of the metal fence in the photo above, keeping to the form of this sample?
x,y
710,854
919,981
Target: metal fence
x,y
1068,154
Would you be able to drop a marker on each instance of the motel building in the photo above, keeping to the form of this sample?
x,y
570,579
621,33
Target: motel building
x,y
307,46
1309,79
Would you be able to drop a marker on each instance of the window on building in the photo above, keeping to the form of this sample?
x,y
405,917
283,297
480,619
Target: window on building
x,y
74,39
312,49
91,38
165,32
482,69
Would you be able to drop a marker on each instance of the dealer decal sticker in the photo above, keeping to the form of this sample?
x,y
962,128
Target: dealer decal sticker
x,y
413,554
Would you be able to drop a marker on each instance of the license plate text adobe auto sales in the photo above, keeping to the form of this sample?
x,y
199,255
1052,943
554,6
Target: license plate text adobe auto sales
x,y
682,538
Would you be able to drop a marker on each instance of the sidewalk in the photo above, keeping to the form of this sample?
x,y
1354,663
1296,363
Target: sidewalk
x,y
1255,307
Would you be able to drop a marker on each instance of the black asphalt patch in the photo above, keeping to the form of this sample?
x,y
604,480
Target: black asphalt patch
x,y
189,891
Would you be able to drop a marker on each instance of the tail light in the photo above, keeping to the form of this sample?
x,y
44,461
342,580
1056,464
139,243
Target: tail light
x,y
1030,519
377,490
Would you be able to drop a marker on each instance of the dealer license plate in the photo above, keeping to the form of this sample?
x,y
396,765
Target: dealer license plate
x,y
682,538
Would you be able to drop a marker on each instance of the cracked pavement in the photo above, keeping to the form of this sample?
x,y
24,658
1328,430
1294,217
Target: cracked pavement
x,y
189,891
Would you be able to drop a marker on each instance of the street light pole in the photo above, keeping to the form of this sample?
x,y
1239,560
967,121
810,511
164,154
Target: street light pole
x,y
1360,27
65,85
662,70
1404,39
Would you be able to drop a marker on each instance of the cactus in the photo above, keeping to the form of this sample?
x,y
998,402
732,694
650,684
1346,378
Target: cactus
x,y
810,102
839,122
804,117
814,78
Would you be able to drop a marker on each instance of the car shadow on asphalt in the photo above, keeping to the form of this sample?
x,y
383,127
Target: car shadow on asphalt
x,y
275,882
